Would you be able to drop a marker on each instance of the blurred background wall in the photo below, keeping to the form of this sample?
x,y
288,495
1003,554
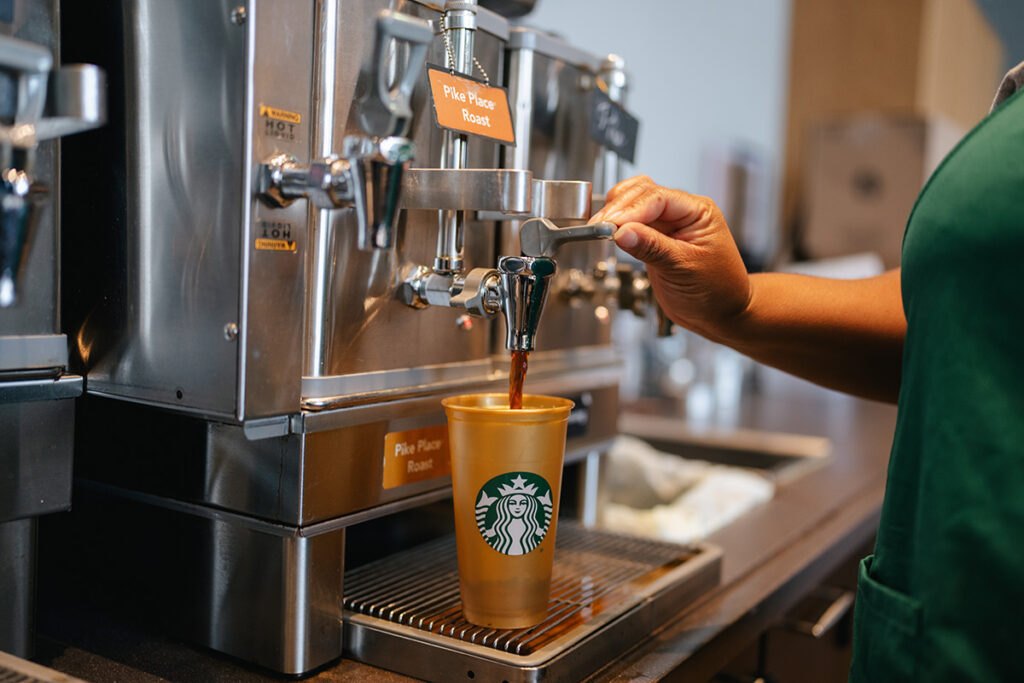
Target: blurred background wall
x,y
810,94
703,75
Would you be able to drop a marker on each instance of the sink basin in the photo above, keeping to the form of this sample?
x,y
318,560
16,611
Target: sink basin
x,y
783,457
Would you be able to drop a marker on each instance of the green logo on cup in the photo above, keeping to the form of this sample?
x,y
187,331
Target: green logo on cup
x,y
513,512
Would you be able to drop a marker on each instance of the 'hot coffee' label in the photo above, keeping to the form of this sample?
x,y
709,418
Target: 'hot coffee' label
x,y
513,512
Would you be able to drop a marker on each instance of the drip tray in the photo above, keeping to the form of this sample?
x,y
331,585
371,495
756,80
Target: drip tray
x,y
608,592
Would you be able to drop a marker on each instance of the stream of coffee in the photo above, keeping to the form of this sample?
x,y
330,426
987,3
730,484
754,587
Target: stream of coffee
x,y
516,376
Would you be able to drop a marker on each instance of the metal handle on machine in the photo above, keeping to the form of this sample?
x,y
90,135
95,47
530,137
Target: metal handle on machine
x,y
387,110
30,64
541,237
842,601
568,200
75,102
23,56
491,190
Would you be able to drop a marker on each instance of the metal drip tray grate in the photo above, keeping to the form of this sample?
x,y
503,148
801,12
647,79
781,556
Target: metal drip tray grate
x,y
608,592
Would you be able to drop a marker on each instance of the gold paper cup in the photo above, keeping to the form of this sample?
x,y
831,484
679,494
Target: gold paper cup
x,y
506,481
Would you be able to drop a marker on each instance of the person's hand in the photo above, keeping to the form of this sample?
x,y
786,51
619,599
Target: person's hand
x,y
694,266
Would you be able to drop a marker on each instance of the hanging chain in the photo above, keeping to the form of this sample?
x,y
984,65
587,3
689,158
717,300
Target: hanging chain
x,y
487,79
451,53
447,45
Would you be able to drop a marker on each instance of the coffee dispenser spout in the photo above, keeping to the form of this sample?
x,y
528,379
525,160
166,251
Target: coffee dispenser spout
x,y
523,291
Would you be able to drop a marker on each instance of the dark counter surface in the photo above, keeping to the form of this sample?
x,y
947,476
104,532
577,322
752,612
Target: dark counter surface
x,y
773,555
778,552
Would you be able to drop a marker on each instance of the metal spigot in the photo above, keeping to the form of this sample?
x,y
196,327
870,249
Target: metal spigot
x,y
517,289
525,280
45,106
15,214
621,284
524,289
367,175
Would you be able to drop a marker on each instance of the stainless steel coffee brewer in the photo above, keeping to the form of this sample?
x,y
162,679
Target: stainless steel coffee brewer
x,y
38,104
301,264
298,263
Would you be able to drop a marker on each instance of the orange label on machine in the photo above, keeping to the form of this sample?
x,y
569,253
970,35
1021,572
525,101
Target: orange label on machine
x,y
467,105
415,455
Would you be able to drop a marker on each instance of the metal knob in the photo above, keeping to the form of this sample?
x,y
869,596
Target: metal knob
x,y
523,291
541,237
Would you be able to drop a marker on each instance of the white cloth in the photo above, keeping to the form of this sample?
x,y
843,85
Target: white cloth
x,y
663,496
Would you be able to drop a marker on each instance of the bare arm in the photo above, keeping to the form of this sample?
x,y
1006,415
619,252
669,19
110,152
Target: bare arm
x,y
843,334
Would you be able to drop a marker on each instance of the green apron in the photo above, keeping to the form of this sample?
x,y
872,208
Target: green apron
x,y
942,598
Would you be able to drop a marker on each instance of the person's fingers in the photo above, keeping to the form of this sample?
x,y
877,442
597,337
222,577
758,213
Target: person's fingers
x,y
623,199
626,184
656,208
650,246
615,195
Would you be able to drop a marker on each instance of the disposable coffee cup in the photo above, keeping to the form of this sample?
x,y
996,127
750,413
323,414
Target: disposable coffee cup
x,y
506,482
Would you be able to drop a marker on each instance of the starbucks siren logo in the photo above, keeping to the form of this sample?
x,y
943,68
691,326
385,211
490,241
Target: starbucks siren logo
x,y
513,512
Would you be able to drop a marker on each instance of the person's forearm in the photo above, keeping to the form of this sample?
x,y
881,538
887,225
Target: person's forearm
x,y
842,334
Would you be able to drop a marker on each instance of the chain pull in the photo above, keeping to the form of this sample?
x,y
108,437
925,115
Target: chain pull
x,y
451,54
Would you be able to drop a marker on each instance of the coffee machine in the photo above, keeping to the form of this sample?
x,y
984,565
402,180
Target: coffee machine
x,y
299,263
39,103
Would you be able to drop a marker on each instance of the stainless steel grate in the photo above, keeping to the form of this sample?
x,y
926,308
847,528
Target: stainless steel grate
x,y
591,575
598,578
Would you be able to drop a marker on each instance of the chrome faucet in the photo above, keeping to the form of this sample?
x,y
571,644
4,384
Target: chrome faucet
x,y
45,106
367,175
517,288
523,291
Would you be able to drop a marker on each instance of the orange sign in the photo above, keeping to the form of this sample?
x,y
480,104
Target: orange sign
x,y
415,455
468,106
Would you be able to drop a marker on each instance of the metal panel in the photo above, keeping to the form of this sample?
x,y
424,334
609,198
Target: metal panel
x,y
47,388
282,38
552,46
35,457
18,586
262,593
332,469
368,329
153,320
33,351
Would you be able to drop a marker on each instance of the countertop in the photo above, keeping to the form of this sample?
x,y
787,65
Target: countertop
x,y
772,556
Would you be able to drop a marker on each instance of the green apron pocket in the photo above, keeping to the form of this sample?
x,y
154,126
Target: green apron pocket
x,y
887,627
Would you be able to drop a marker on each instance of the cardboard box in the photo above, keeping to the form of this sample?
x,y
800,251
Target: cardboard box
x,y
923,58
861,178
